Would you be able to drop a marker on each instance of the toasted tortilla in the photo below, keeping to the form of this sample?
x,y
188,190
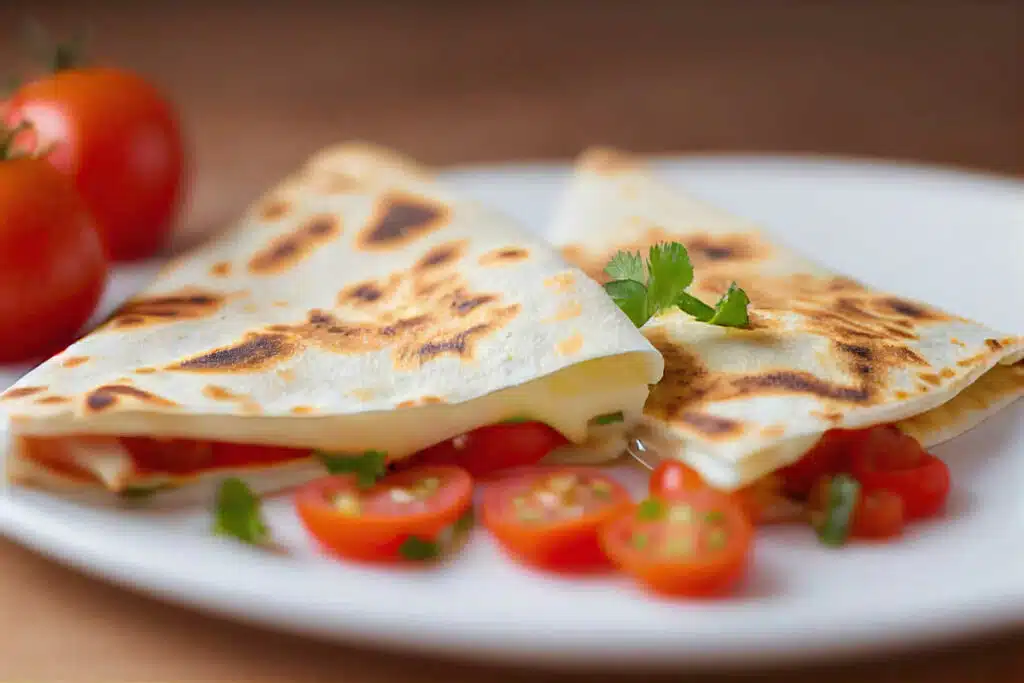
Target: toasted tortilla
x,y
822,350
356,306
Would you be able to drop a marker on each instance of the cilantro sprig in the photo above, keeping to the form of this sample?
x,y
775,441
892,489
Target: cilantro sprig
x,y
237,513
644,290
368,467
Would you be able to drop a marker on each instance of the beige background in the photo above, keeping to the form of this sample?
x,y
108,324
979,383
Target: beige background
x,y
261,85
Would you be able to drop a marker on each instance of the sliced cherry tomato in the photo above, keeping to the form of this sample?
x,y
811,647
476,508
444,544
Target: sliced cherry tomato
x,y
52,267
895,462
550,517
495,447
391,521
763,501
240,454
169,456
117,137
828,456
697,544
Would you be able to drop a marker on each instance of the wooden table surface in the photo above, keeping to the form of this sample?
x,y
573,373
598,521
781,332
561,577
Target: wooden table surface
x,y
261,85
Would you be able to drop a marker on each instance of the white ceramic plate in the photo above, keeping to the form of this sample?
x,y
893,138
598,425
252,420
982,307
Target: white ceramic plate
x,y
953,239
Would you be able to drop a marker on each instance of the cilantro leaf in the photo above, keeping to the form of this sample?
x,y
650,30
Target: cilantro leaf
x,y
419,549
631,297
237,513
609,418
650,509
731,309
626,265
670,273
368,467
843,491
688,303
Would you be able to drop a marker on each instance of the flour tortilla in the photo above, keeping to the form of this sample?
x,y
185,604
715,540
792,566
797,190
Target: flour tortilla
x,y
822,350
356,306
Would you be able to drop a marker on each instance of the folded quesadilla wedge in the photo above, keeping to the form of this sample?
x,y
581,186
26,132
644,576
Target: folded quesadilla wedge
x,y
821,351
356,307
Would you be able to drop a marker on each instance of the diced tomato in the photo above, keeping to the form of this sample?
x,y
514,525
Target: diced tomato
x,y
378,524
495,447
895,462
828,456
697,544
240,454
550,517
879,515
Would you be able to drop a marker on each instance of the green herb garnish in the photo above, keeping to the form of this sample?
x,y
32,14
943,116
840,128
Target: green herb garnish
x,y
610,418
237,513
419,549
368,467
515,420
669,272
842,494
650,509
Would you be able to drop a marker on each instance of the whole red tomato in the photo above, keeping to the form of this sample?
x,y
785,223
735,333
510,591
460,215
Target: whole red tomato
x,y
119,139
52,265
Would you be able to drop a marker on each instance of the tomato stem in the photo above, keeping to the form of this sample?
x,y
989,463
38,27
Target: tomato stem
x,y
55,55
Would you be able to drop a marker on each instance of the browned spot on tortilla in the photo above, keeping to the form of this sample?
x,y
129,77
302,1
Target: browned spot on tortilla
x,y
710,426
827,415
303,410
799,382
463,303
362,394
275,209
406,404
973,360
773,431
993,344
220,269
370,293
561,282
52,400
441,255
257,351
285,251
958,342
189,303
288,375
218,393
947,373
21,392
930,377
250,308
432,400
74,361
566,311
570,345
401,218
250,406
502,256
145,371
707,249
902,395
909,309
103,397
279,304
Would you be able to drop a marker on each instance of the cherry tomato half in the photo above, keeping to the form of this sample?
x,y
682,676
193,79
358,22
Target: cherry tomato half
x,y
892,461
376,524
550,518
52,267
495,447
119,139
877,515
697,544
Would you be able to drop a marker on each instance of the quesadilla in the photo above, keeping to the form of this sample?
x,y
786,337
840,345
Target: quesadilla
x,y
821,350
355,307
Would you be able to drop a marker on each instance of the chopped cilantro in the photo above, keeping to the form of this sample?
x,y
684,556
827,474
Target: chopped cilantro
x,y
237,513
843,491
650,509
609,418
368,467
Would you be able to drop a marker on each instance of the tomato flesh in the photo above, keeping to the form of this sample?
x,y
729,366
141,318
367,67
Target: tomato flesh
x,y
52,266
895,462
878,516
119,140
492,448
696,544
372,524
184,456
550,518
828,456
